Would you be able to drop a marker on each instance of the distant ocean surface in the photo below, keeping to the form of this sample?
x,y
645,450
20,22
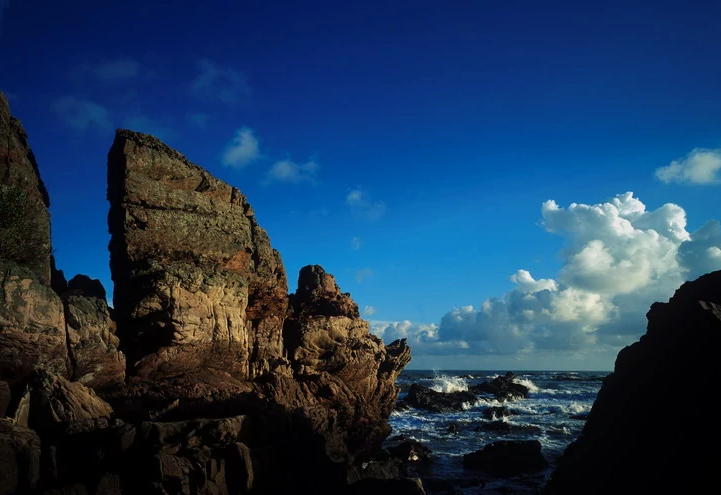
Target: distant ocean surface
x,y
553,413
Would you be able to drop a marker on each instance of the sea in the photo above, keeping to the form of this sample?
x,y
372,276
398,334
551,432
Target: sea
x,y
553,413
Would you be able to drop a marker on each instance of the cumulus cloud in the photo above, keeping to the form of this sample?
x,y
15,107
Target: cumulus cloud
x,y
356,243
222,83
619,259
82,114
290,171
243,150
363,206
700,166
369,311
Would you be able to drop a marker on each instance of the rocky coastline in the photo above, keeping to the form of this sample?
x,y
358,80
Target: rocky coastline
x,y
208,376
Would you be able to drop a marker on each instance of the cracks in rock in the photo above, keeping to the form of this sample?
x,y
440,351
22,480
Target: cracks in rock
x,y
73,363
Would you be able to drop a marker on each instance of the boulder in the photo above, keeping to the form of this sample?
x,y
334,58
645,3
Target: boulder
x,y
422,397
51,400
507,458
503,388
628,445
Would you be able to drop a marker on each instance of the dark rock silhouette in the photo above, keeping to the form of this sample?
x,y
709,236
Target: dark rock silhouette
x,y
629,444
508,458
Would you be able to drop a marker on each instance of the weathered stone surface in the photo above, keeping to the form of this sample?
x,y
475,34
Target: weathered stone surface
x,y
55,400
93,345
19,458
32,326
629,445
196,283
19,170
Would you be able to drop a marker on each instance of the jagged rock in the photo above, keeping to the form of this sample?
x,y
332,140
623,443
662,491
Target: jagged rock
x,y
73,337
19,172
93,345
19,458
86,286
197,285
507,458
503,388
628,445
54,400
422,397
32,327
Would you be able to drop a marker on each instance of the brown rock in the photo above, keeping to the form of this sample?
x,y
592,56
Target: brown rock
x,y
93,345
19,173
19,458
55,400
196,282
32,326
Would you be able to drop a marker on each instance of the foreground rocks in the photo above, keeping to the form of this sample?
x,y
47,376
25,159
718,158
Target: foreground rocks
x,y
628,445
206,377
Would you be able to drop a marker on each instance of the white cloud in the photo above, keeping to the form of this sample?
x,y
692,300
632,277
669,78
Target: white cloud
x,y
700,166
362,274
290,171
356,243
620,258
199,119
369,311
82,114
217,82
243,150
362,205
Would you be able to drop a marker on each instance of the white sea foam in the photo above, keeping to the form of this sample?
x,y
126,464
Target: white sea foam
x,y
447,384
532,388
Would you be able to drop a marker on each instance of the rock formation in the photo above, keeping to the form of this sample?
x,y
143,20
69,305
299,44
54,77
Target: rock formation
x,y
197,285
20,181
70,336
204,316
631,442
232,384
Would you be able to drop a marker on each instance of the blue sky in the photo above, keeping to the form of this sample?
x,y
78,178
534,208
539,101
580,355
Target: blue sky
x,y
411,148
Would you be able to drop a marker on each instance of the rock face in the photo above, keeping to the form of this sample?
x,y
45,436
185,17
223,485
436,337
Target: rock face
x,y
19,175
32,326
629,443
232,384
203,313
197,285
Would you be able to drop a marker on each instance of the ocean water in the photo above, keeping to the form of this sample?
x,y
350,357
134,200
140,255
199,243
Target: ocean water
x,y
553,413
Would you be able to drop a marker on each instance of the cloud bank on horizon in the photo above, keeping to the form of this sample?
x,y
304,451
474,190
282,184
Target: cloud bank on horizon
x,y
618,259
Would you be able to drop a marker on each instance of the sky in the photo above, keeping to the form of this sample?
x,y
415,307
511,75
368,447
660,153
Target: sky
x,y
508,185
